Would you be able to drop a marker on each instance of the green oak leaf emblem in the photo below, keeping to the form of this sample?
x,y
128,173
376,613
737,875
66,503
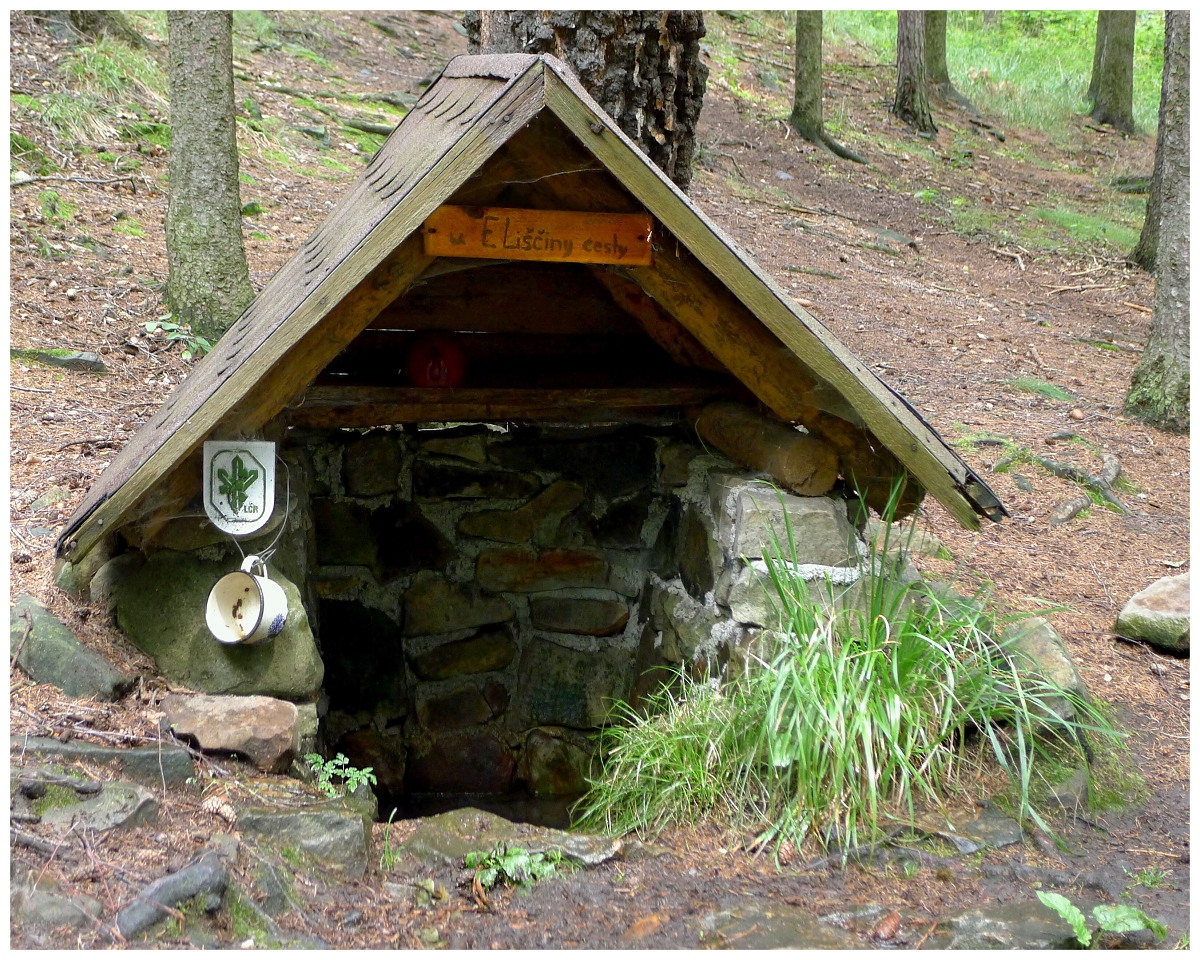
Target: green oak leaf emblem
x,y
235,482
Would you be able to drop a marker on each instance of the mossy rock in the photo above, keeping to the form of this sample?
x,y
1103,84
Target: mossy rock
x,y
161,606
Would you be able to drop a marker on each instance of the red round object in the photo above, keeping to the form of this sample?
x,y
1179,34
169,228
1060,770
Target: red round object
x,y
435,360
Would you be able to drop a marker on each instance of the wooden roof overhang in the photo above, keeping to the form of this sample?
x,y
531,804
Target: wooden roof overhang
x,y
702,299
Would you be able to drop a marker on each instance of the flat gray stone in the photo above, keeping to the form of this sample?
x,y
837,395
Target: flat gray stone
x,y
758,924
118,806
52,654
906,538
486,651
449,710
1160,615
542,515
596,618
148,765
371,465
993,828
67,359
35,907
333,833
434,606
52,497
449,837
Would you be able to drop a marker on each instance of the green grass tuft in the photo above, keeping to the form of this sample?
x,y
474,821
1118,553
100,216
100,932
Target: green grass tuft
x,y
1085,228
1040,387
863,705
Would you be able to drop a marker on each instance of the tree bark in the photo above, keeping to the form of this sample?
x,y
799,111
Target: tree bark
x,y
1160,388
1102,21
912,87
1112,77
208,282
643,67
1146,251
808,113
936,69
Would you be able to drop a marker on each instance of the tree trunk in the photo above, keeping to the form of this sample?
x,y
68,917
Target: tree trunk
x,y
1160,388
1146,251
208,283
643,67
1102,21
808,116
1113,100
912,88
936,69
807,111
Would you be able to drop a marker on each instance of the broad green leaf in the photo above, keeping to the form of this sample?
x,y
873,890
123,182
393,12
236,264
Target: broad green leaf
x,y
1123,918
1069,912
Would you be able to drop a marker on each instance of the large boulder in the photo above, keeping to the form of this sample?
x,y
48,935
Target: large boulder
x,y
261,728
1160,615
160,606
50,653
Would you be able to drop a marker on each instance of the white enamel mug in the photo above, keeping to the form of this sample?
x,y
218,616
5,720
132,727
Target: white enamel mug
x,y
244,608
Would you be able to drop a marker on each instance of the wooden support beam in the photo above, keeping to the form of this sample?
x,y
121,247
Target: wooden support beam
x,y
797,461
659,325
327,407
732,334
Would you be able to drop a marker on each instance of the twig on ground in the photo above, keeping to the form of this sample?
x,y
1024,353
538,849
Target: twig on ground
x,y
1011,256
29,389
1136,306
32,842
929,934
22,183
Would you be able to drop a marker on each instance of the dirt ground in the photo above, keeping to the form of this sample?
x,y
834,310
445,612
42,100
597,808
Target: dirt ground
x,y
947,309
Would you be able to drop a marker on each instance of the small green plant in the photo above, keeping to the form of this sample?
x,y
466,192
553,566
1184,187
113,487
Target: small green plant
x,y
512,865
911,868
194,345
130,228
389,857
1185,941
352,778
1111,919
1149,877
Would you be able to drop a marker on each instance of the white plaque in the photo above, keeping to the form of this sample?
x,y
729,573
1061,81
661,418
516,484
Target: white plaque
x,y
239,484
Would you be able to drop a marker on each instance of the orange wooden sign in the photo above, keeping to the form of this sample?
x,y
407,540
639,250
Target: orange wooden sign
x,y
561,236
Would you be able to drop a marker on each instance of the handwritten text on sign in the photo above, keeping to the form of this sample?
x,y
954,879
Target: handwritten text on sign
x,y
500,233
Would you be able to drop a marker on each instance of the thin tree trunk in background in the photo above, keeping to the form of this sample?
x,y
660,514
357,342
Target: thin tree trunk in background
x,y
643,67
1160,389
912,89
1113,101
991,18
936,69
1146,251
808,111
208,283
1102,21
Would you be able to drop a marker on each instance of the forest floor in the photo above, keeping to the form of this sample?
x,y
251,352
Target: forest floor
x,y
983,278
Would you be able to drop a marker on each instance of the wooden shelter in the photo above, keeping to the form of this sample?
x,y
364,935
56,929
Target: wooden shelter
x,y
693,320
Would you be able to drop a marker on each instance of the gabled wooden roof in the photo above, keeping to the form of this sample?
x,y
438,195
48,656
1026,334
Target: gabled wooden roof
x,y
369,250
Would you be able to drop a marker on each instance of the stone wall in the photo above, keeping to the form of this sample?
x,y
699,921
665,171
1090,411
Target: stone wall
x,y
480,597
486,596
